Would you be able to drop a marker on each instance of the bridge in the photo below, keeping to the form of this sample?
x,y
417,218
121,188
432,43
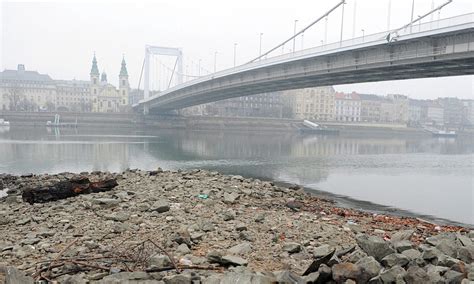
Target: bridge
x,y
433,49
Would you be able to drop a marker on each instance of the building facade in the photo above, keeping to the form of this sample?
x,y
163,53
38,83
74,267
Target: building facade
x,y
468,112
453,111
432,113
261,105
22,90
73,95
311,103
347,107
370,106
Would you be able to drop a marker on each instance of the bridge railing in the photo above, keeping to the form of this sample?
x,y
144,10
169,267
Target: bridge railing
x,y
363,41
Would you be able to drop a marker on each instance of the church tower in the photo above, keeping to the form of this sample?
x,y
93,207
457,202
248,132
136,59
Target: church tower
x,y
124,86
94,84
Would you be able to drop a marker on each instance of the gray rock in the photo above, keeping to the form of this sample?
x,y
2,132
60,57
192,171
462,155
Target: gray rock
x,y
159,261
466,253
448,247
286,276
416,274
183,249
244,235
403,235
465,240
160,206
260,218
242,248
119,216
370,266
178,279
401,246
236,277
394,259
311,278
292,247
390,275
356,256
344,271
239,226
231,198
431,253
322,251
412,254
234,260
207,226
374,246
74,279
105,202
14,276
435,240
122,277
453,277
228,215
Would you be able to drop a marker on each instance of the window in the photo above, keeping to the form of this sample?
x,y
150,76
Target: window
x,y
95,91
123,82
95,81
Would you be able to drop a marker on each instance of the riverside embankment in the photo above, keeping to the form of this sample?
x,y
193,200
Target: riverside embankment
x,y
183,226
206,123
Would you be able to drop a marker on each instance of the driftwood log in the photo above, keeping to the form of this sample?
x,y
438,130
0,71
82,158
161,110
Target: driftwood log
x,y
65,189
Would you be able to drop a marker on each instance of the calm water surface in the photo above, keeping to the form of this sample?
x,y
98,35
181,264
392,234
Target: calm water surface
x,y
425,176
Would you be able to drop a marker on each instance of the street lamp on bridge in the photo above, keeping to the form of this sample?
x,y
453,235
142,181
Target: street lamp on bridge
x,y
235,52
215,61
260,50
294,34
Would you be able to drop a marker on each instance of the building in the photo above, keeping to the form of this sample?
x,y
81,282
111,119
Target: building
x,y
400,108
432,113
468,112
310,103
105,97
347,107
261,105
415,108
22,90
370,107
73,95
453,111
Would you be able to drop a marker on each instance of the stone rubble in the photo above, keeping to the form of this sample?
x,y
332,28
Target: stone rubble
x,y
235,229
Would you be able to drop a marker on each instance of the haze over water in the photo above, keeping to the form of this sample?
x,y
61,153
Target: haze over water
x,y
427,176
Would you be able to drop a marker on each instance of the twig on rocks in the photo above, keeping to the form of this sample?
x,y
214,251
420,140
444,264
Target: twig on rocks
x,y
167,254
48,270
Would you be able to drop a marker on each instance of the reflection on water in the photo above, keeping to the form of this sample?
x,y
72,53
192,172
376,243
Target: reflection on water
x,y
397,172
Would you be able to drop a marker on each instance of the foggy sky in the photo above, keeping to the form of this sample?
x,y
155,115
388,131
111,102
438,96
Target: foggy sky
x,y
60,37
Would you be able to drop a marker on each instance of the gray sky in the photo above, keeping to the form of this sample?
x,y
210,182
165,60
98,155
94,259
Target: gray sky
x,y
60,37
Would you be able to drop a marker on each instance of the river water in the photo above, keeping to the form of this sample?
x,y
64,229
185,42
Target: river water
x,y
431,177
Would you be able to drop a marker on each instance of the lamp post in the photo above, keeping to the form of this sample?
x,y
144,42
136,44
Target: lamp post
x,y
363,34
260,50
294,33
215,61
235,52
412,10
342,22
199,68
326,29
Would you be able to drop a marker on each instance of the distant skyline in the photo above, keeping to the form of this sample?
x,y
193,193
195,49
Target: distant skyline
x,y
59,38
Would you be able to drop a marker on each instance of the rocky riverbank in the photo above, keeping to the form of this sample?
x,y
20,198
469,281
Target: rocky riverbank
x,y
204,227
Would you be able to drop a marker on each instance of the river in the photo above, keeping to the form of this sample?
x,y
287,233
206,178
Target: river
x,y
429,177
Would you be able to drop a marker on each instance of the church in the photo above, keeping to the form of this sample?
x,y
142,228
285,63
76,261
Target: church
x,y
105,97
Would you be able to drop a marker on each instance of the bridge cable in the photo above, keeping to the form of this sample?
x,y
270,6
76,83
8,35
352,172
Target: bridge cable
x,y
301,31
174,68
390,38
141,73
